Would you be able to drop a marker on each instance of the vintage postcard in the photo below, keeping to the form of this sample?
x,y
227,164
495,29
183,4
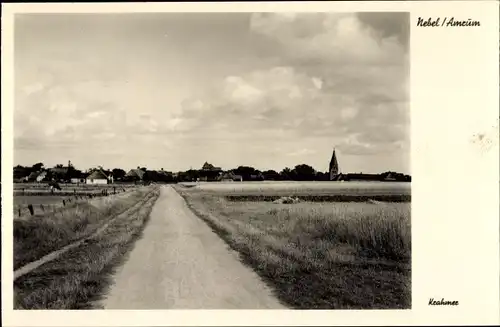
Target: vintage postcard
x,y
264,163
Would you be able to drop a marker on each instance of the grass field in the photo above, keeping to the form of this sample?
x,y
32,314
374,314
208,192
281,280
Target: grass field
x,y
43,201
23,200
47,232
322,255
42,189
311,191
78,277
290,187
30,186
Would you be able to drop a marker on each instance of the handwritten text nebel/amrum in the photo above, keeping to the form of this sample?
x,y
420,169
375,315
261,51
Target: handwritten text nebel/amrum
x,y
447,22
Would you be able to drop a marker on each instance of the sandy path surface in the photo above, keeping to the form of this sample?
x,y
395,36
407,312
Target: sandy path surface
x,y
179,263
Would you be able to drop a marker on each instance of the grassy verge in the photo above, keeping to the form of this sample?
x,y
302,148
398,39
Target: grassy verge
x,y
78,278
319,255
39,235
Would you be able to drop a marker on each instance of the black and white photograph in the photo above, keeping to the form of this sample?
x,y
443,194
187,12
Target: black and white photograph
x,y
235,164
212,160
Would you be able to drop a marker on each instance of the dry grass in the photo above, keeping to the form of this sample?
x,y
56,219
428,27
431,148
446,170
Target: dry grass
x,y
42,234
78,278
329,255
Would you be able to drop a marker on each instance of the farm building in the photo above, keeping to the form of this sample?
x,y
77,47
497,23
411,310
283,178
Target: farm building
x,y
135,175
41,176
256,177
60,171
209,173
231,177
97,177
78,178
36,176
165,176
32,177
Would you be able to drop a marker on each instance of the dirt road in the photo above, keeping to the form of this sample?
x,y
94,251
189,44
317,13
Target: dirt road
x,y
179,263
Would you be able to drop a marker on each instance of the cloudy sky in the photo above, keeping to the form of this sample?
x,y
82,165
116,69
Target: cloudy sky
x,y
172,90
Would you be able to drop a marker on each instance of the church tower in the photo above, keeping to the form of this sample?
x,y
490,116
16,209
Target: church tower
x,y
334,166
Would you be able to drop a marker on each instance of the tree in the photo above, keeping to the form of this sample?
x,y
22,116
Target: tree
x,y
21,171
118,173
37,167
246,172
59,166
304,172
271,175
48,177
189,175
286,174
321,176
150,176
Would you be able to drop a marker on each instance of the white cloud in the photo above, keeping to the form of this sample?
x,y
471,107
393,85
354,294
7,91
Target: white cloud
x,y
317,82
33,88
302,152
328,38
324,79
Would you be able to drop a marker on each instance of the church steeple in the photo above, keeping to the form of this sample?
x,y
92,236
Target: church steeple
x,y
334,166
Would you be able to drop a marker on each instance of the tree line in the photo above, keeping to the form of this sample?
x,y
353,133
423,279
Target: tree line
x,y
301,172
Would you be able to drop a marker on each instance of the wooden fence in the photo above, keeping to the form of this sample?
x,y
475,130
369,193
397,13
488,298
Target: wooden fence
x,y
69,197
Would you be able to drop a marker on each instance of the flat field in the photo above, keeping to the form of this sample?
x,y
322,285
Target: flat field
x,y
41,189
313,191
24,200
34,186
351,253
43,201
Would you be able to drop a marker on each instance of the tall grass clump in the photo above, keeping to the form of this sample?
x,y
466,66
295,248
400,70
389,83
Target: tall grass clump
x,y
382,232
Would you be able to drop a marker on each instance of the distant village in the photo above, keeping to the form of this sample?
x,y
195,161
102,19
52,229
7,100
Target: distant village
x,y
38,173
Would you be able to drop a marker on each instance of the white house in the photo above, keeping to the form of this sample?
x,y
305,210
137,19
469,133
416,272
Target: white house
x,y
97,177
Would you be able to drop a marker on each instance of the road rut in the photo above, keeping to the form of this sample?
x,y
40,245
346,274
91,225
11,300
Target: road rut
x,y
179,263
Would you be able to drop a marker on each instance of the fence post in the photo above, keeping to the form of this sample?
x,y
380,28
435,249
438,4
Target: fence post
x,y
64,202
41,207
19,211
32,211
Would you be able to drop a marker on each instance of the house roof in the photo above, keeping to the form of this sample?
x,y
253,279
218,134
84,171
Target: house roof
x,y
97,174
33,175
228,175
59,170
210,167
164,172
135,173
